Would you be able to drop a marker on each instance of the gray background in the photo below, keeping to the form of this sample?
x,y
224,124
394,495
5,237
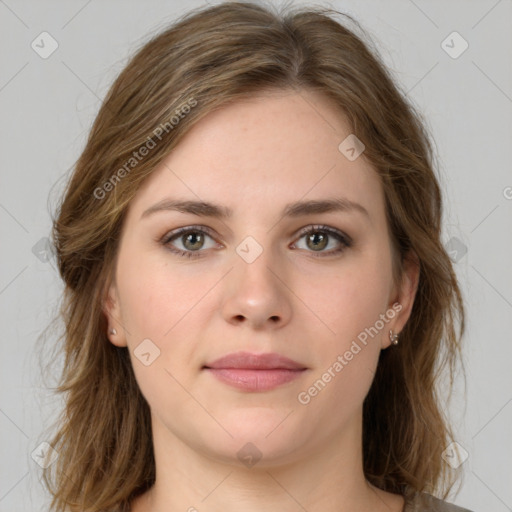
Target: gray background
x,y
47,108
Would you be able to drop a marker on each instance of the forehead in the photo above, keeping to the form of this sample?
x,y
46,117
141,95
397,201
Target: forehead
x,y
272,149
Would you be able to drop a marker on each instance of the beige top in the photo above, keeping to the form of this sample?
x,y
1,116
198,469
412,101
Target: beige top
x,y
423,502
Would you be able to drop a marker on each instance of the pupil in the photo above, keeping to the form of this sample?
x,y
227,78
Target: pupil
x,y
319,240
195,239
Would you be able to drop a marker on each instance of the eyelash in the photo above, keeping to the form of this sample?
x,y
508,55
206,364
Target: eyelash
x,y
345,241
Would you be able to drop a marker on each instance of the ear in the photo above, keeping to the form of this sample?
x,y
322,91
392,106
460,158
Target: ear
x,y
112,311
403,296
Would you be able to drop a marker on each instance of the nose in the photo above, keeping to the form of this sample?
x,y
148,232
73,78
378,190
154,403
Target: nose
x,y
257,294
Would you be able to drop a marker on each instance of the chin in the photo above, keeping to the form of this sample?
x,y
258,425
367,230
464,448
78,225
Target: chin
x,y
259,439
254,452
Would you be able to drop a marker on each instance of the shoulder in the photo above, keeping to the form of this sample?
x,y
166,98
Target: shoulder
x,y
423,502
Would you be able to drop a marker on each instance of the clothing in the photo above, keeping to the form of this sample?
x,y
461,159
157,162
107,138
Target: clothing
x,y
423,502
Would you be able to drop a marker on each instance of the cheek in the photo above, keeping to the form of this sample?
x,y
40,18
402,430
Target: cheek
x,y
155,298
161,305
350,303
351,298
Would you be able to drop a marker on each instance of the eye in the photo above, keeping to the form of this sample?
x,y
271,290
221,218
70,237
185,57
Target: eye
x,y
192,240
317,238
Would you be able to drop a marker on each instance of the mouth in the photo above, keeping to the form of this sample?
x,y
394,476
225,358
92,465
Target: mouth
x,y
255,372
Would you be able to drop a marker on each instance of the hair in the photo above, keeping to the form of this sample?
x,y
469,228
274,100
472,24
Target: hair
x,y
207,59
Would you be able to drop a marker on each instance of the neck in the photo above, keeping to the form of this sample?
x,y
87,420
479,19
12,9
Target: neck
x,y
316,479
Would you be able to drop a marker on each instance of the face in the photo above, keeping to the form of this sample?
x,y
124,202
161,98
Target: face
x,y
266,268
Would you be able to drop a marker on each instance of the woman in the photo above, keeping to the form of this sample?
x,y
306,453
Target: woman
x,y
257,298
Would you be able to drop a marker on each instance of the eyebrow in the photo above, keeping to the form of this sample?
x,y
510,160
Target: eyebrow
x,y
297,209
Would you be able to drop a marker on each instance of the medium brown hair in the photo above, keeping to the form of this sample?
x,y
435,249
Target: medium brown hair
x,y
205,60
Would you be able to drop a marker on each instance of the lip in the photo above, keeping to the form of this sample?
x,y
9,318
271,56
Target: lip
x,y
255,372
249,361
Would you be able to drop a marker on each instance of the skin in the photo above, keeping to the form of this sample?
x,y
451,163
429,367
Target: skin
x,y
255,157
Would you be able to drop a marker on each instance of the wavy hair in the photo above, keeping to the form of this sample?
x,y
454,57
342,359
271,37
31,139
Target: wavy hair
x,y
205,60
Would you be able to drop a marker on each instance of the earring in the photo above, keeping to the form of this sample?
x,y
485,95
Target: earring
x,y
112,331
393,338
